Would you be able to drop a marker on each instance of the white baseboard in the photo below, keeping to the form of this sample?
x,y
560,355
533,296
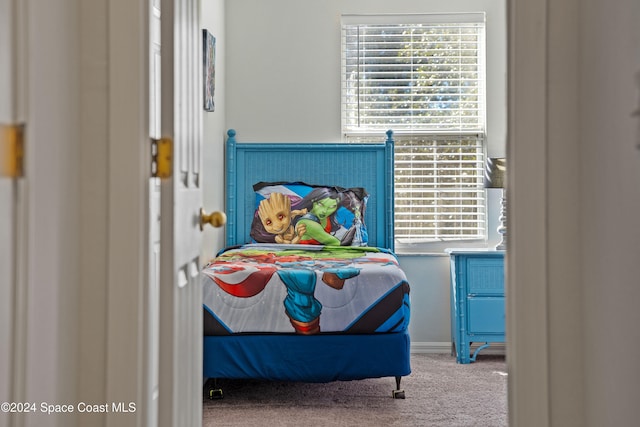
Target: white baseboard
x,y
445,347
430,347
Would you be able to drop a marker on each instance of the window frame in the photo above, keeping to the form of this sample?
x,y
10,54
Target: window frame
x,y
399,135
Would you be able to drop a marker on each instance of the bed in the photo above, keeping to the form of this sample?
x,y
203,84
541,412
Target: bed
x,y
308,287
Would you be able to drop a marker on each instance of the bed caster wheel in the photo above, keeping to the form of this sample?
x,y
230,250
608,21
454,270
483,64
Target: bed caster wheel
x,y
398,394
215,393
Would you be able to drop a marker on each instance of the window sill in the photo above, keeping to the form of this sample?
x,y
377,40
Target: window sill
x,y
438,248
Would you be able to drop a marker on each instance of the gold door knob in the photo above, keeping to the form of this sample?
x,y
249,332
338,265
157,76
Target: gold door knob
x,y
217,219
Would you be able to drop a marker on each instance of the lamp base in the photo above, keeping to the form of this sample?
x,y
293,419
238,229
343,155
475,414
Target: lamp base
x,y
502,227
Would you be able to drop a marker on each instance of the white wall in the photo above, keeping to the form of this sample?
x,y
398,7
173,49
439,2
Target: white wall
x,y
283,84
212,15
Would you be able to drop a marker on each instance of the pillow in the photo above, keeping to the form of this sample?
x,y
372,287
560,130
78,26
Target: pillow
x,y
299,213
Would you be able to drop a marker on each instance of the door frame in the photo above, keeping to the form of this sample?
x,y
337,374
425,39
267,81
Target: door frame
x,y
527,306
127,236
128,207
543,265
526,262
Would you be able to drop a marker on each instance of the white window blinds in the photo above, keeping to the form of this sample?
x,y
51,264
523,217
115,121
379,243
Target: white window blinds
x,y
438,189
424,79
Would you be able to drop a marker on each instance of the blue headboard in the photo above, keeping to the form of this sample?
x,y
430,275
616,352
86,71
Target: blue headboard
x,y
368,165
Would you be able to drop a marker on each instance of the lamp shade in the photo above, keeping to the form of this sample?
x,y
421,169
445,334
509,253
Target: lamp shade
x,y
495,171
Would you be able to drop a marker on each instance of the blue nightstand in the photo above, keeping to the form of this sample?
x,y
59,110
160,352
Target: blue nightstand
x,y
477,300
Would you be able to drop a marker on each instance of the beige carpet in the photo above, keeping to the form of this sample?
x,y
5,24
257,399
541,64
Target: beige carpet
x,y
439,392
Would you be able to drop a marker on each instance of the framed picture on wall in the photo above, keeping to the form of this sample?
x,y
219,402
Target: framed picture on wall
x,y
209,67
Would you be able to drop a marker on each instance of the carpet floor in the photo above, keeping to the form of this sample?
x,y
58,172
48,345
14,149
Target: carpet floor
x,y
439,392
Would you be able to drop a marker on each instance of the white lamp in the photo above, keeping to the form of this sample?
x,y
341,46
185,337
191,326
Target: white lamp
x,y
495,172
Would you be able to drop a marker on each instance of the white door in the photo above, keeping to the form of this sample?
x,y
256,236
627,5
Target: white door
x,y
6,288
7,219
7,272
6,295
153,286
180,362
11,205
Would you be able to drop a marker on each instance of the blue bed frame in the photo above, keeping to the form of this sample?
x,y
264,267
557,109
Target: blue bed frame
x,y
346,165
318,358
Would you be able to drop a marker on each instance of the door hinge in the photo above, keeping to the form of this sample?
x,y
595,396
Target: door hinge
x,y
161,157
12,151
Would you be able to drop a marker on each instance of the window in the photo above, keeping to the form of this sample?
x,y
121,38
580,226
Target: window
x,y
423,78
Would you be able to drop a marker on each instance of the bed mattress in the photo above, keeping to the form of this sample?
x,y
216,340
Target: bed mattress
x,y
304,289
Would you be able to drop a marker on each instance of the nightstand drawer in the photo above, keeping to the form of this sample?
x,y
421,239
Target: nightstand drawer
x,y
486,315
485,275
477,300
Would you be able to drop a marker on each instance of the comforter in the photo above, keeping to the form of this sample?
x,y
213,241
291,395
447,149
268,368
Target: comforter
x,y
304,289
